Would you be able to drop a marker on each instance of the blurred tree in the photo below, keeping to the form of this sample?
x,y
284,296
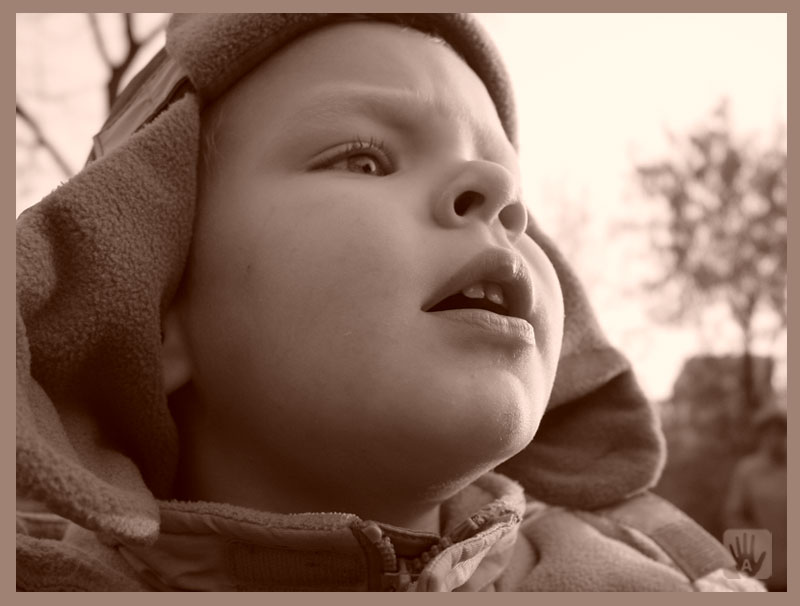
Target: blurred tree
x,y
39,139
117,54
117,69
724,238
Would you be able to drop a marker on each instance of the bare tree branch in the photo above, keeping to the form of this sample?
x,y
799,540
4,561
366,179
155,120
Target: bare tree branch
x,y
148,38
44,141
128,19
118,70
98,38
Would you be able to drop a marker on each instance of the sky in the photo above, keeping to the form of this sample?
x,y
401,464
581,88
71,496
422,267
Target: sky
x,y
594,93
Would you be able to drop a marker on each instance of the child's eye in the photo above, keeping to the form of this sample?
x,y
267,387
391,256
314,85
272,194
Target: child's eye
x,y
360,157
359,163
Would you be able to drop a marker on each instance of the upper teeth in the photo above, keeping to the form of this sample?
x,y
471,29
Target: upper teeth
x,y
488,290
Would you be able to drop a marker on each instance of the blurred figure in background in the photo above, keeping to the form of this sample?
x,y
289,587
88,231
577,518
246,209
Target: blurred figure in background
x,y
757,493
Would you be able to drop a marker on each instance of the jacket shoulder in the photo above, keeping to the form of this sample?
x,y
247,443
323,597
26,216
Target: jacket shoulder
x,y
693,549
698,554
641,544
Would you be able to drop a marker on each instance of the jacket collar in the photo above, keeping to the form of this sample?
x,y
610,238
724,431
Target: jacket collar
x,y
212,547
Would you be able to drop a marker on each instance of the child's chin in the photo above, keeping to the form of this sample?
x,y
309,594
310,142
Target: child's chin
x,y
494,438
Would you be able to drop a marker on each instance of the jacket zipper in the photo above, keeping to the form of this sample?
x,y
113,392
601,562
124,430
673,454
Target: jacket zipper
x,y
399,574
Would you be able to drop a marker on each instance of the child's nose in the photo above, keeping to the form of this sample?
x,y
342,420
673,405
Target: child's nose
x,y
482,191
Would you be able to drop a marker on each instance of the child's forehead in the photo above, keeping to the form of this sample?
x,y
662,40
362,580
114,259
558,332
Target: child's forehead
x,y
404,110
399,76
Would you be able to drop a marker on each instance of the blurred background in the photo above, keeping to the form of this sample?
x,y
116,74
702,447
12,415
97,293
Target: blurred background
x,y
653,150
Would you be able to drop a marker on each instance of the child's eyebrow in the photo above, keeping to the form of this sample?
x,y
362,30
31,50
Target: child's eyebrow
x,y
402,109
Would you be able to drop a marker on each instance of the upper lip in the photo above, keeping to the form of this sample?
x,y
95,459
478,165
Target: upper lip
x,y
501,266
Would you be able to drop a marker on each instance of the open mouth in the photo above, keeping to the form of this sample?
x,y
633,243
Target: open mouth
x,y
487,296
496,280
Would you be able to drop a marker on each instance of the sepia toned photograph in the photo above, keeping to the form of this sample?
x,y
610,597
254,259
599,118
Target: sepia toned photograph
x,y
343,302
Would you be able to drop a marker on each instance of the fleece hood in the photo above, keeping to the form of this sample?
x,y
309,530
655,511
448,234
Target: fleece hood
x,y
99,260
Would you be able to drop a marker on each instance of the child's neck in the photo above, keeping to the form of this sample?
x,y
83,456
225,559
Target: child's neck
x,y
206,477
395,512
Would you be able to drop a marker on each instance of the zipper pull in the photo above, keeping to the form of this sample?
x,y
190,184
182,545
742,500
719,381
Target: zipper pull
x,y
467,528
383,544
395,575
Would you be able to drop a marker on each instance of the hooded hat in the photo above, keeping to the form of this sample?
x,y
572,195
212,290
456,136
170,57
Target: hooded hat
x,y
100,258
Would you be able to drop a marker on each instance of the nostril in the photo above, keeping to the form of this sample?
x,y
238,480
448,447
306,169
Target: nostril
x,y
514,217
465,200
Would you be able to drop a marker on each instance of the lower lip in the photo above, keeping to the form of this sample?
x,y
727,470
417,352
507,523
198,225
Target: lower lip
x,y
506,327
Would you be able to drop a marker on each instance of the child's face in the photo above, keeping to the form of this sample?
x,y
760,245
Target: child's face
x,y
331,219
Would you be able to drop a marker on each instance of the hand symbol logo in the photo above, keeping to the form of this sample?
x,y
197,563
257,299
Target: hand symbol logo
x,y
745,555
